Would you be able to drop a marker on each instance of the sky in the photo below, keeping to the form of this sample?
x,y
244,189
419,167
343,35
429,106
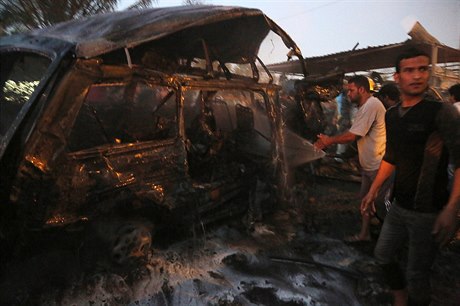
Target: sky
x,y
321,27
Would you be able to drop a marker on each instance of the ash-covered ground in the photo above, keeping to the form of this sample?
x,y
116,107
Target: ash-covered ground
x,y
296,256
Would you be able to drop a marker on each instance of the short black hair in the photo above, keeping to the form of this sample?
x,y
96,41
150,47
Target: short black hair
x,y
409,53
454,91
389,90
360,81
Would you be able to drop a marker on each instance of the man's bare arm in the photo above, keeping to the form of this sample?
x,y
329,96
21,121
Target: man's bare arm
x,y
385,170
325,141
446,223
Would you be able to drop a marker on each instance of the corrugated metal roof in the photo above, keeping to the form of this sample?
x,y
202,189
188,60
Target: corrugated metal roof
x,y
374,57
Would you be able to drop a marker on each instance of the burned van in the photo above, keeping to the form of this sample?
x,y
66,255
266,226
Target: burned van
x,y
164,115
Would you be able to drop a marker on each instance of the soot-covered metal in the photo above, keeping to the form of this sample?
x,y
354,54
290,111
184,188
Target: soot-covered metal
x,y
129,128
165,118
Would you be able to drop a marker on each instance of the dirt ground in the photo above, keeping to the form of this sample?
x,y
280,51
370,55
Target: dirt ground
x,y
332,211
296,256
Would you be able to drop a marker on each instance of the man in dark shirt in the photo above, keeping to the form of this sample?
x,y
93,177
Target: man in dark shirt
x,y
389,95
421,136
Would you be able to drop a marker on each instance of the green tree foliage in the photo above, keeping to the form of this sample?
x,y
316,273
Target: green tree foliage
x,y
193,2
23,15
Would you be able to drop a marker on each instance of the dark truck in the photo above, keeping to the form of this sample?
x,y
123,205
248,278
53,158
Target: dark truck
x,y
160,118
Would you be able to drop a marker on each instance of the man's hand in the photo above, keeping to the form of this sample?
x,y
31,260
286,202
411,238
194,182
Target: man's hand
x,y
445,226
367,204
322,142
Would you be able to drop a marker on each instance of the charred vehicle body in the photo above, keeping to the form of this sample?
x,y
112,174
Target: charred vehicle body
x,y
138,115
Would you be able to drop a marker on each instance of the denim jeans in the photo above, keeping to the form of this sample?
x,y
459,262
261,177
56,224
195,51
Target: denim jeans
x,y
413,229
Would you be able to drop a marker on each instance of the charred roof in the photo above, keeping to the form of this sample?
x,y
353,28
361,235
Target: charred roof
x,y
104,33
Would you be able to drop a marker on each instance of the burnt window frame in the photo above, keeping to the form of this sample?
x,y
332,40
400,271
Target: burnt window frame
x,y
115,141
237,86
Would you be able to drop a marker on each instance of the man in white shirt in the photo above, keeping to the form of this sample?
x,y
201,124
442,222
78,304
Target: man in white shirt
x,y
368,129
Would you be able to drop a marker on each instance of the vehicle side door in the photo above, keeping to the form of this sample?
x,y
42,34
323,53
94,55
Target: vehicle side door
x,y
124,147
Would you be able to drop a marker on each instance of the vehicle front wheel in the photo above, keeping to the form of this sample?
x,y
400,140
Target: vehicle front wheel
x,y
115,242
